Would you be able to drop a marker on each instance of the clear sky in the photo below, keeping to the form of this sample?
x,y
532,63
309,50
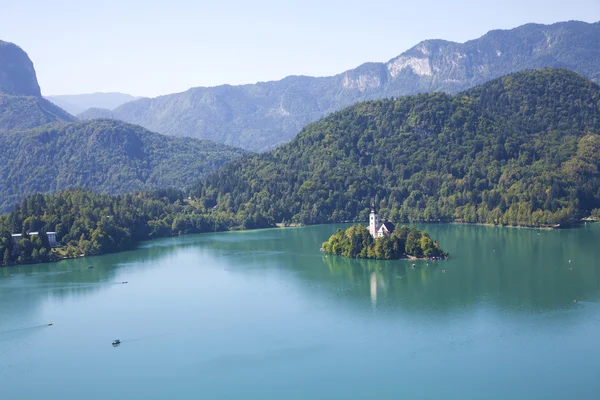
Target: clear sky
x,y
153,47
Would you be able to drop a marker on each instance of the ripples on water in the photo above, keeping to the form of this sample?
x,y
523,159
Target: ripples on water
x,y
264,314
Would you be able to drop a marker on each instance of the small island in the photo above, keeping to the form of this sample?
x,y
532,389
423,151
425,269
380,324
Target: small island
x,y
404,242
383,242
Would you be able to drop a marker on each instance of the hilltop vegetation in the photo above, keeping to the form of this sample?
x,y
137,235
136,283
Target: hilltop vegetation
x,y
262,116
357,242
103,155
26,112
90,223
519,150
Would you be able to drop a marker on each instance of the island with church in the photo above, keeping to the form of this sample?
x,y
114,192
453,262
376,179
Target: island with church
x,y
383,242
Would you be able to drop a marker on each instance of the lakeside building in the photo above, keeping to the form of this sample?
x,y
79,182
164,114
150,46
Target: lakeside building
x,y
51,237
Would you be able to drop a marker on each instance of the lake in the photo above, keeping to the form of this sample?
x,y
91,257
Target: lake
x,y
264,315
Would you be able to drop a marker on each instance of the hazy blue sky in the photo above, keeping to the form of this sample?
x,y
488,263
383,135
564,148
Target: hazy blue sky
x,y
153,47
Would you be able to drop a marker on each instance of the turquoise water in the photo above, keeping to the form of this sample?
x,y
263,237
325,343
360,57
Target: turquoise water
x,y
264,315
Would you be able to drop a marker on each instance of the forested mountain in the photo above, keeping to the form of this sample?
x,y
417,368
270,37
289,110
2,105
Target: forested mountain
x,y
26,112
519,150
78,103
96,113
21,103
103,155
523,149
267,114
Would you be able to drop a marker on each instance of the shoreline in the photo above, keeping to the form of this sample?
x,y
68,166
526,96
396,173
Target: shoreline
x,y
298,225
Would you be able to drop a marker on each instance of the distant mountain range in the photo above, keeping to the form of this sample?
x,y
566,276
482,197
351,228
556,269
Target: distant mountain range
x,y
522,150
267,114
78,103
103,155
44,150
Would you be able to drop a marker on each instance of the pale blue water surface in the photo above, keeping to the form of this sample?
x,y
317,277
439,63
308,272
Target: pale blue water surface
x,y
264,315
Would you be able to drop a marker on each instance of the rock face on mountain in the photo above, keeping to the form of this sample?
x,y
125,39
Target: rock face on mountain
x,y
21,103
267,114
17,75
78,103
522,150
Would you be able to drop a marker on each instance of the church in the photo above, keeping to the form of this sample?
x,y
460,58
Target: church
x,y
377,230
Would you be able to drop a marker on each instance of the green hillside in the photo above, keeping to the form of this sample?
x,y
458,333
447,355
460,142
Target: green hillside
x,y
264,115
26,112
519,150
103,155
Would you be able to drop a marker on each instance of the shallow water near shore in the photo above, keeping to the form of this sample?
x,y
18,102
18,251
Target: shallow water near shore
x,y
263,314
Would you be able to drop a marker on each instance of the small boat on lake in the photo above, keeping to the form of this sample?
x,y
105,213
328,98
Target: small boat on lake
x,y
90,266
116,342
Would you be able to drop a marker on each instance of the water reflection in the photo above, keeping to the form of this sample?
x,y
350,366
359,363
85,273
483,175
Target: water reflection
x,y
514,269
520,270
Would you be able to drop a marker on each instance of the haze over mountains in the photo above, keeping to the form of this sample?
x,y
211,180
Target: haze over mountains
x,y
44,150
78,103
523,149
21,103
264,115
52,157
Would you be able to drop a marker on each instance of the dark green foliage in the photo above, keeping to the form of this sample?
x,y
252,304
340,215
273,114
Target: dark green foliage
x,y
519,150
27,249
26,112
267,114
102,155
90,223
356,242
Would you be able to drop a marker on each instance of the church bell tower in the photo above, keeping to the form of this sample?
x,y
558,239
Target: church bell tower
x,y
373,223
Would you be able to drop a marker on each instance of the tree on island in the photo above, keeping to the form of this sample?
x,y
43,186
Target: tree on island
x,y
404,242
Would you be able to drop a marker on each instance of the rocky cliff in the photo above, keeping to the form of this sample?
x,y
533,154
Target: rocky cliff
x,y
267,114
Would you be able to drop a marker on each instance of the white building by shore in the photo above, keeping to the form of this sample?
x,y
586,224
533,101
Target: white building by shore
x,y
51,237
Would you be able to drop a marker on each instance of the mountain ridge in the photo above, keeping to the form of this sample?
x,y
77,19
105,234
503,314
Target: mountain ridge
x,y
267,114
21,103
518,150
79,103
17,73
106,156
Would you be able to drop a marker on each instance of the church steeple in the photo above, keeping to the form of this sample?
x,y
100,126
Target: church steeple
x,y
373,222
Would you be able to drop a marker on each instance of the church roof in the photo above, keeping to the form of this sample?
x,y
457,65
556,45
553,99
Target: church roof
x,y
388,226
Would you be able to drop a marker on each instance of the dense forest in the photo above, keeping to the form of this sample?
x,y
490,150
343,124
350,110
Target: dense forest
x,y
519,150
357,242
90,223
102,155
26,112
